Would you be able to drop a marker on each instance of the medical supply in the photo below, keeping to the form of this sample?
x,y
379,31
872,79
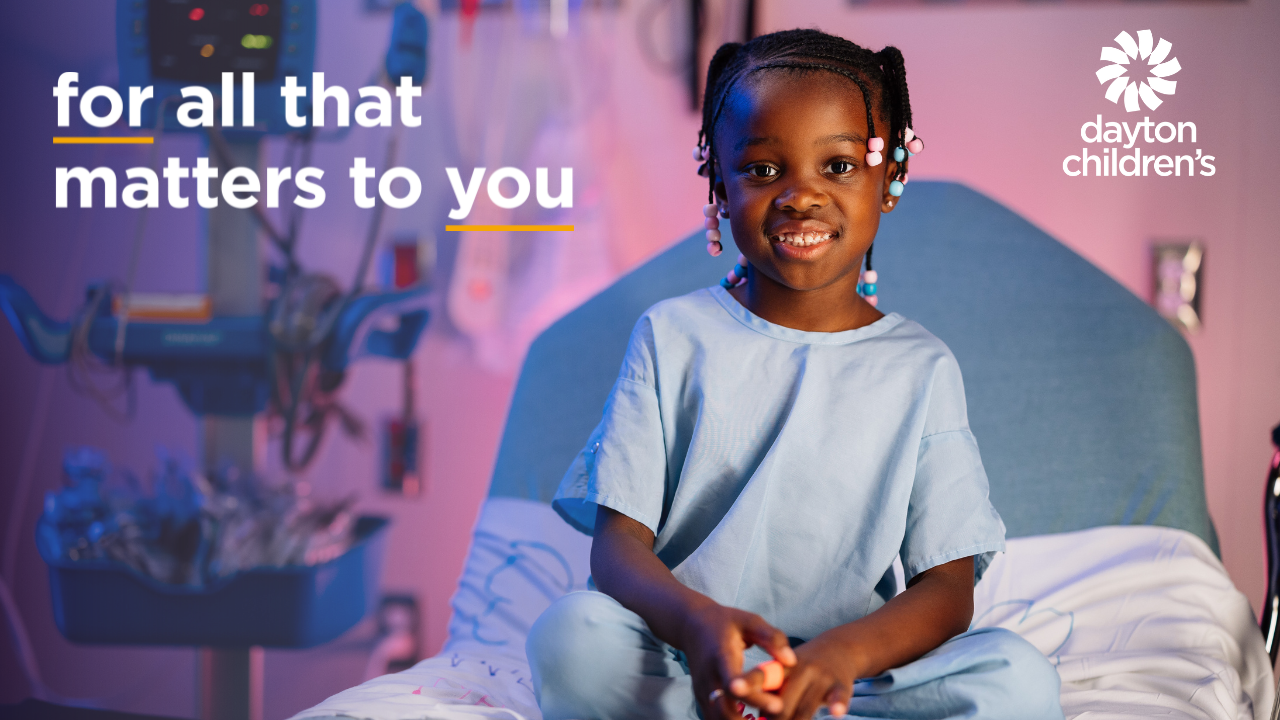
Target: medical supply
x,y
188,529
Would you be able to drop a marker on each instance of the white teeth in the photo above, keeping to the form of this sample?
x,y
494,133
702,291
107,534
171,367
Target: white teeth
x,y
804,239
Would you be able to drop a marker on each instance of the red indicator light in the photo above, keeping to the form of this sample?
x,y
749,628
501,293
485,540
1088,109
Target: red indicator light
x,y
258,9
196,13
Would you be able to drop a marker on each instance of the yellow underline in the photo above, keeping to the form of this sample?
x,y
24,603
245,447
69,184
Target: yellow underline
x,y
511,228
103,140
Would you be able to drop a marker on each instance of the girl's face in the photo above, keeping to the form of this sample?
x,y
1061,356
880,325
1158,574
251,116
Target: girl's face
x,y
803,203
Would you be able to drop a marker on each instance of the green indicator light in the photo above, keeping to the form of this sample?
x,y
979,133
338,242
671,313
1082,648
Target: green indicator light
x,y
256,42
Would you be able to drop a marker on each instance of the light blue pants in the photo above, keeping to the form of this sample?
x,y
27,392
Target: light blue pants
x,y
593,659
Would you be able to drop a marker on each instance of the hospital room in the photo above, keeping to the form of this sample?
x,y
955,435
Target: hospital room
x,y
357,359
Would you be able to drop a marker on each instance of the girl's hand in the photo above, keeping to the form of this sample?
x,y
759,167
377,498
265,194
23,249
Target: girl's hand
x,y
714,639
822,675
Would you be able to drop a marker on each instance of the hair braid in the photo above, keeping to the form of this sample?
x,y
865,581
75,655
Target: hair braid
x,y
895,85
724,56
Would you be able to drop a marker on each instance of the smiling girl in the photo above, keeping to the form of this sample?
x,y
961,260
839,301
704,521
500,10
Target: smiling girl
x,y
774,443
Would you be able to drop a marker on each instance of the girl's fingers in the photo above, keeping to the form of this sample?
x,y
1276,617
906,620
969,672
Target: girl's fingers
x,y
773,640
838,700
727,707
724,706
800,692
748,688
809,702
729,665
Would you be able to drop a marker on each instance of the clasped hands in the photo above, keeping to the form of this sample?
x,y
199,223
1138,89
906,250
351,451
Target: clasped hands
x,y
817,673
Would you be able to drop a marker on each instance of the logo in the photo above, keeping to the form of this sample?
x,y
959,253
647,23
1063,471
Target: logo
x,y
1147,81
1125,147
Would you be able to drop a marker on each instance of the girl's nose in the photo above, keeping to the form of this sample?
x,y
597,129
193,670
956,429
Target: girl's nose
x,y
801,195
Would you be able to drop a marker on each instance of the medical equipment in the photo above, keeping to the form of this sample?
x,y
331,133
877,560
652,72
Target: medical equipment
x,y
170,45
256,564
406,263
291,353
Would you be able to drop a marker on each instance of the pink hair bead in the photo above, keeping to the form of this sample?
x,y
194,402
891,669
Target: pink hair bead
x,y
742,260
714,248
908,134
904,178
733,277
697,153
875,144
915,145
713,235
874,158
709,210
706,154
711,223
872,300
870,276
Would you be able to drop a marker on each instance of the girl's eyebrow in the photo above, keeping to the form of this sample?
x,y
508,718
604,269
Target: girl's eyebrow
x,y
751,141
828,140
843,137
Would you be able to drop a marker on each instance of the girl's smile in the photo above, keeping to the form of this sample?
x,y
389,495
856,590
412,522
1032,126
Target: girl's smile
x,y
802,241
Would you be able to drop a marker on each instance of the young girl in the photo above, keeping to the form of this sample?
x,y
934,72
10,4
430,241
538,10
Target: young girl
x,y
772,444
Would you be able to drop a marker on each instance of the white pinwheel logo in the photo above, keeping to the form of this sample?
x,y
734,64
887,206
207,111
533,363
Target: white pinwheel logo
x,y
1142,87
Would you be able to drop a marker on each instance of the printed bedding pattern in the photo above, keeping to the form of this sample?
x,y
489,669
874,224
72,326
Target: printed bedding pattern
x,y
1140,621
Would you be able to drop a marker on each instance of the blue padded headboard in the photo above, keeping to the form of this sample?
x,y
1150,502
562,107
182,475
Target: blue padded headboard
x,y
1083,400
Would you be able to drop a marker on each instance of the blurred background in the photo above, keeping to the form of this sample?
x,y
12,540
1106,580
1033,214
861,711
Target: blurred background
x,y
999,90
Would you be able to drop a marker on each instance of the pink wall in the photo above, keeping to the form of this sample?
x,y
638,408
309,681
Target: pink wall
x,y
1000,92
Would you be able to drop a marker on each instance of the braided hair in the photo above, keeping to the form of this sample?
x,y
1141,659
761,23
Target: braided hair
x,y
881,76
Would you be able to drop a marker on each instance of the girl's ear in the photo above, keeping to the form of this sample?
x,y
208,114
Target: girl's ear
x,y
887,201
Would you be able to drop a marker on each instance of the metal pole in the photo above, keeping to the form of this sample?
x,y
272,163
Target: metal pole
x,y
230,679
230,683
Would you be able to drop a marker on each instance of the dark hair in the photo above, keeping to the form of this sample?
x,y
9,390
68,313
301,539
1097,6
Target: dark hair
x,y
881,76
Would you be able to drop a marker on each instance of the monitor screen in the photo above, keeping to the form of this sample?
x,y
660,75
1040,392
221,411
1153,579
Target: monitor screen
x,y
196,41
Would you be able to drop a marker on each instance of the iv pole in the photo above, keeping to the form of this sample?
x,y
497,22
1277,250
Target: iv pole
x,y
229,679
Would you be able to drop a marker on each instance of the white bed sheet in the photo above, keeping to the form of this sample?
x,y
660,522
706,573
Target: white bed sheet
x,y
1140,621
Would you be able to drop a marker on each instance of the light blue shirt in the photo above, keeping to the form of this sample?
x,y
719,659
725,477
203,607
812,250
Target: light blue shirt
x,y
781,471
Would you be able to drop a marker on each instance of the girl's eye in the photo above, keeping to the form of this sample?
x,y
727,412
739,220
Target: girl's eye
x,y
840,167
762,171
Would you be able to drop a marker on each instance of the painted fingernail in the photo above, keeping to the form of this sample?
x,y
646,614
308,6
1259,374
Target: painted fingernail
x,y
838,710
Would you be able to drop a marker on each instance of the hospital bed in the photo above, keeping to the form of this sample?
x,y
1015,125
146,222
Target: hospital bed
x,y
1084,404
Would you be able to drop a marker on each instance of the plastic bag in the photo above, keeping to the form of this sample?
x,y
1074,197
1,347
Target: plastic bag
x,y
188,529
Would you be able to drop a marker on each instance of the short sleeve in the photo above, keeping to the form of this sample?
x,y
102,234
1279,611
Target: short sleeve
x,y
624,464
950,515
